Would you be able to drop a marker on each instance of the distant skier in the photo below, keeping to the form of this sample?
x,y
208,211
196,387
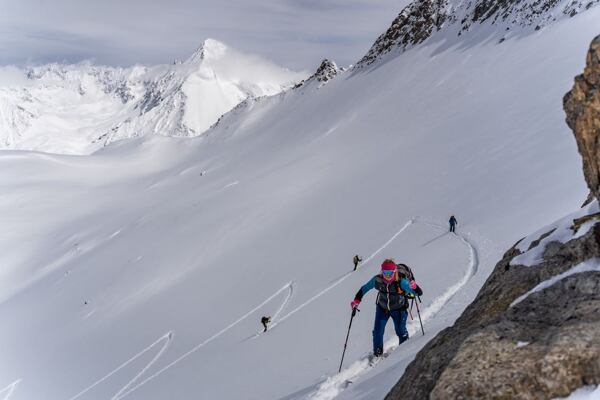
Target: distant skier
x,y
453,222
356,260
265,322
392,301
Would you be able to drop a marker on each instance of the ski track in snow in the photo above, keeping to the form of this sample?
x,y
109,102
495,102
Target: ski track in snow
x,y
335,384
166,338
279,310
130,387
343,278
9,389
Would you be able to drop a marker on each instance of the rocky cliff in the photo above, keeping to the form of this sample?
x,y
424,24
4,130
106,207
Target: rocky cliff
x,y
582,105
533,331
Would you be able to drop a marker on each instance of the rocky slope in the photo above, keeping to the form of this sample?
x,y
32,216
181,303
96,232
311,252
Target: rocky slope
x,y
423,19
582,105
324,73
533,331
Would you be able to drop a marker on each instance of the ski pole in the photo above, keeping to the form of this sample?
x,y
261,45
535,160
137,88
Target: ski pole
x,y
420,321
410,309
354,310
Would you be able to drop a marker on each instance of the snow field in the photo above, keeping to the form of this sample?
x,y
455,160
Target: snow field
x,y
325,390
332,387
103,254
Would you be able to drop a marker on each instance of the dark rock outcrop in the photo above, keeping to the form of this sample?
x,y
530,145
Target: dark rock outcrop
x,y
546,345
491,319
542,348
326,72
582,105
415,23
421,19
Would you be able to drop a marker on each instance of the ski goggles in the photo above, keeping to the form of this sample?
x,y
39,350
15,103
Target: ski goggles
x,y
388,273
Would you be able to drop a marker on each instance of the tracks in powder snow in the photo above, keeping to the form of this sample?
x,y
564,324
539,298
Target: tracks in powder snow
x,y
343,278
334,384
133,384
8,391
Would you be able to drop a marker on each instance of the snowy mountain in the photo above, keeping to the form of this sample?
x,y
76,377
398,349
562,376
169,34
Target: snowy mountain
x,y
77,109
142,270
447,20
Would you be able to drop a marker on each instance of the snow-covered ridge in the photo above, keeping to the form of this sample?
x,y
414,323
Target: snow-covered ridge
x,y
422,19
252,108
79,108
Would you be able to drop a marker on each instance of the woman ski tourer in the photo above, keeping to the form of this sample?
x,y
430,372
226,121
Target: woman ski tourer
x,y
395,285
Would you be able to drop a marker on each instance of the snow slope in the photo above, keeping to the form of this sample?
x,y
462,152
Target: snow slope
x,y
77,109
141,271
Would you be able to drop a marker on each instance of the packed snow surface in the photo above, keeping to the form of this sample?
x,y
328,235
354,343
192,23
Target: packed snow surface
x,y
142,271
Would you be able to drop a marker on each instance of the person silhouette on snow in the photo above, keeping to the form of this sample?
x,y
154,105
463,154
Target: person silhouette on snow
x,y
265,321
356,259
452,221
394,290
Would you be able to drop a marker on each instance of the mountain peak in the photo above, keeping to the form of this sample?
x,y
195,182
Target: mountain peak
x,y
209,49
326,72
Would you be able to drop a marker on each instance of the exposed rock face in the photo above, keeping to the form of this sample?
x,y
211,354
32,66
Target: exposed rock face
x,y
582,105
542,348
413,25
548,344
480,357
326,72
421,19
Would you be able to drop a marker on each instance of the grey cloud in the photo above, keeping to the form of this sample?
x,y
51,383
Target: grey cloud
x,y
293,33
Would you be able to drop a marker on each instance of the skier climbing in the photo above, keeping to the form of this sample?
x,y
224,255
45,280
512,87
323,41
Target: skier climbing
x,y
453,222
265,322
356,260
392,301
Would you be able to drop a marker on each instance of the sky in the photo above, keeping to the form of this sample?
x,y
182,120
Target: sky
x,y
297,34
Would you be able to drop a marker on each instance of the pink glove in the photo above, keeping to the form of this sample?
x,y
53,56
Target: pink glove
x,y
354,304
413,285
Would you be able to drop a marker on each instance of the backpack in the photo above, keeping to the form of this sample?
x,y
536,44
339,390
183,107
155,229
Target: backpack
x,y
404,271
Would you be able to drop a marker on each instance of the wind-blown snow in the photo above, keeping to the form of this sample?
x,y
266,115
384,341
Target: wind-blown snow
x,y
142,271
77,109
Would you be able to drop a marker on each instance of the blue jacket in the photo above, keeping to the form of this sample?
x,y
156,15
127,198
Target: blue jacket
x,y
391,296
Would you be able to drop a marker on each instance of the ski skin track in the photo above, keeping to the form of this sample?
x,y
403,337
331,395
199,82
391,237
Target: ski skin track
x,y
129,388
335,384
282,307
168,337
9,389
344,277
